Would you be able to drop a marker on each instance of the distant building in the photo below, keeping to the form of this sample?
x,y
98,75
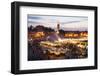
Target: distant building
x,y
76,34
58,28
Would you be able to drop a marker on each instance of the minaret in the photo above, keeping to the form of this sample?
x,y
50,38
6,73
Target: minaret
x,y
58,27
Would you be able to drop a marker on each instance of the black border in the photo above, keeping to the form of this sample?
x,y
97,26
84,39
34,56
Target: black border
x,y
15,34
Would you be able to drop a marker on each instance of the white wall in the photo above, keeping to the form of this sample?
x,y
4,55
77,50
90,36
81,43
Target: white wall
x,y
5,42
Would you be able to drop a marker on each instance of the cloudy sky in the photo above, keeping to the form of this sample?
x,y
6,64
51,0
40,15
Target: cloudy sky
x,y
66,22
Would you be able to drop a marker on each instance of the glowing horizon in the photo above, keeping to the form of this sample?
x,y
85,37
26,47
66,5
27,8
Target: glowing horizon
x,y
66,22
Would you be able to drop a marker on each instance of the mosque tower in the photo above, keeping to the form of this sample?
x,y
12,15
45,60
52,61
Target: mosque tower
x,y
58,27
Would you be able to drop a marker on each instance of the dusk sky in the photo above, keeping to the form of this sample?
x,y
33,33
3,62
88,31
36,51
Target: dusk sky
x,y
79,23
